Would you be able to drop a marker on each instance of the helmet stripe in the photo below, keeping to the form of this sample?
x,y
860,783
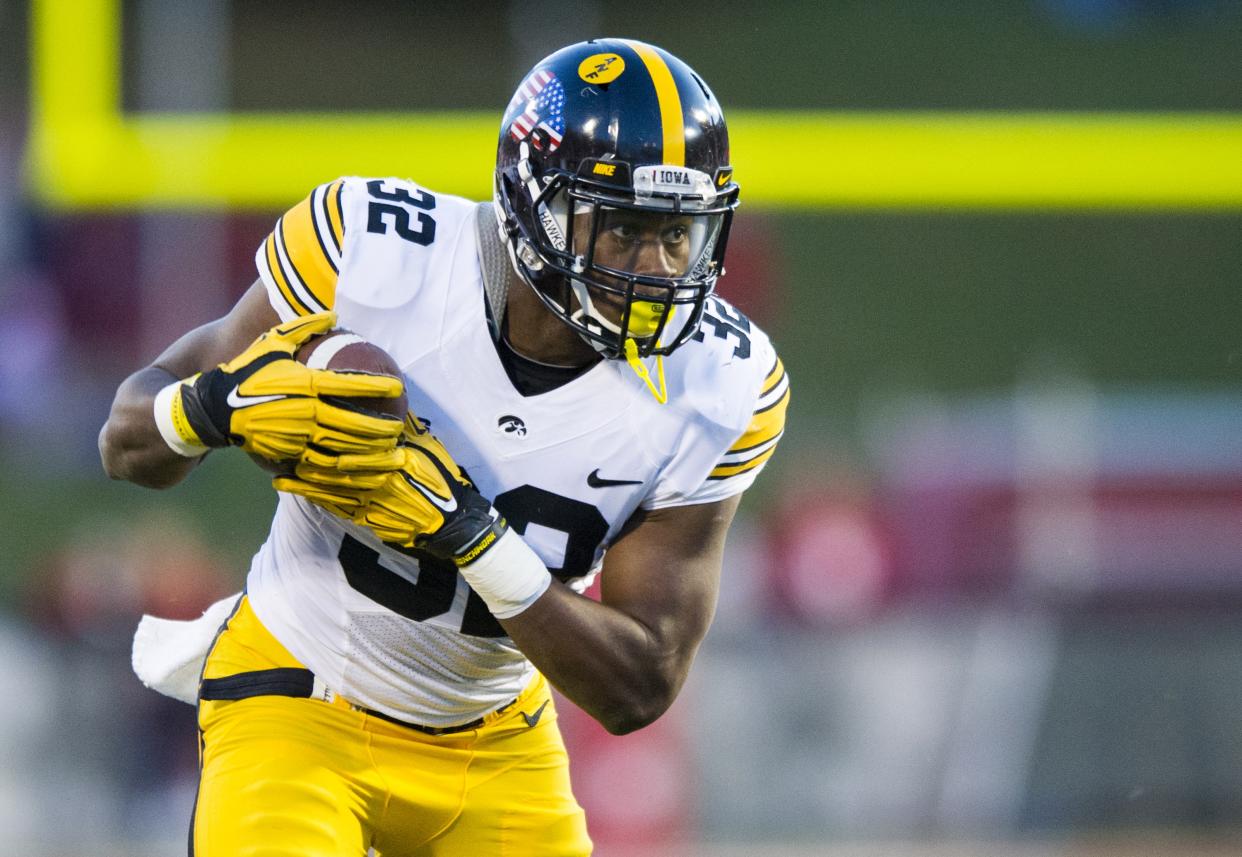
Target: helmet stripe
x,y
670,103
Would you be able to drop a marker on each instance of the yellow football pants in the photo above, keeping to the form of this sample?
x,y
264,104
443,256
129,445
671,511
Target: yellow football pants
x,y
297,777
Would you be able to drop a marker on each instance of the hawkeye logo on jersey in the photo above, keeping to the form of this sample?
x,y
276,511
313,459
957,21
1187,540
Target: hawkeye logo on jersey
x,y
511,425
601,68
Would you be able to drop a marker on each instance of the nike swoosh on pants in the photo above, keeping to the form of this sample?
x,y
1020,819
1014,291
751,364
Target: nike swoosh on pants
x,y
532,719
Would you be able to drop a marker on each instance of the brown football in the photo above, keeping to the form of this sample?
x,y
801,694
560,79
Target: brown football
x,y
346,352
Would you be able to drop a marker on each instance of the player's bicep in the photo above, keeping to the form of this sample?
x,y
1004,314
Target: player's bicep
x,y
664,571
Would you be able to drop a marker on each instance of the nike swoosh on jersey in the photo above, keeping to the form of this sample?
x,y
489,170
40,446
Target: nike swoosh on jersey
x,y
597,481
447,507
236,400
532,719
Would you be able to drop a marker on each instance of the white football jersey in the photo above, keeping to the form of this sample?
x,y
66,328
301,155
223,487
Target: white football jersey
x,y
567,467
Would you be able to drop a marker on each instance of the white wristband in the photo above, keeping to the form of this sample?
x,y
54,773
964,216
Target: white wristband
x,y
509,576
167,412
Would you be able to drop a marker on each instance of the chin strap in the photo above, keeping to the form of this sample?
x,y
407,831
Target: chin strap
x,y
640,369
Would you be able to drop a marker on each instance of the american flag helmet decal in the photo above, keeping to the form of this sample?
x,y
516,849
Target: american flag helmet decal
x,y
542,120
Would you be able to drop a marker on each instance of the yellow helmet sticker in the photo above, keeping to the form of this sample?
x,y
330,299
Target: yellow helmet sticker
x,y
601,68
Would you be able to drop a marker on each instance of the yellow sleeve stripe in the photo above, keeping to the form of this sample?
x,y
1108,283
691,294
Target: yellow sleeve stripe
x,y
302,255
333,213
724,471
774,377
759,441
278,277
297,283
768,421
319,227
307,253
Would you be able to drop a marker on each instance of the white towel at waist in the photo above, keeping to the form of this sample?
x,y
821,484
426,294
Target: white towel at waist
x,y
168,654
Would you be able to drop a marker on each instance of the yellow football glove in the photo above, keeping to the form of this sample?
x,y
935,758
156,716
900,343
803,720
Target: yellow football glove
x,y
268,403
427,502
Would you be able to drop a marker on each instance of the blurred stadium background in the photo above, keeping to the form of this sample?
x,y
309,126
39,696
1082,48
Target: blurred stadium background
x,y
988,598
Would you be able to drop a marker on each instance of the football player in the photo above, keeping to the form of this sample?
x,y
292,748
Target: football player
x,y
584,404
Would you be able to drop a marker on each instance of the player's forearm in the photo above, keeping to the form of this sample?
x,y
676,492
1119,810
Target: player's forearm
x,y
130,444
618,670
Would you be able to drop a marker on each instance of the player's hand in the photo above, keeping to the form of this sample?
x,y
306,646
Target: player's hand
x,y
427,502
268,403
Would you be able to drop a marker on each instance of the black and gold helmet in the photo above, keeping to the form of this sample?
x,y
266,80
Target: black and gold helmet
x,y
615,192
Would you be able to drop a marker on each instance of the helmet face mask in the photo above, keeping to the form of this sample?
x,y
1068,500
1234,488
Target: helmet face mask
x,y
620,235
